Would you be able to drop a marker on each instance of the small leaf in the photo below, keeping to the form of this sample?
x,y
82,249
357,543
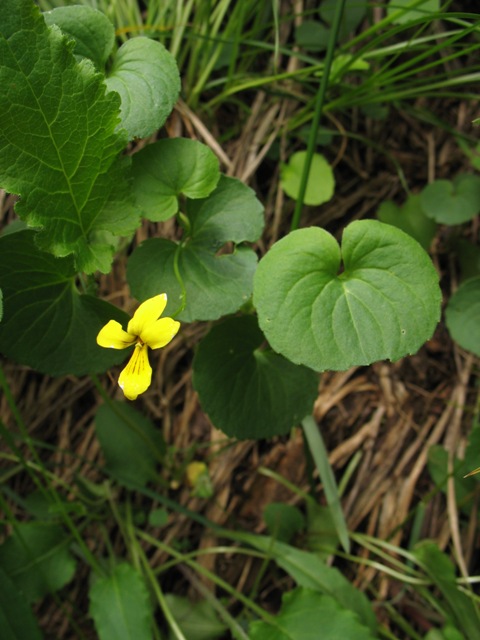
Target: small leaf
x,y
146,76
17,621
130,443
92,31
37,559
409,218
120,606
385,303
216,283
421,10
452,202
164,170
441,571
47,324
353,13
462,315
249,391
197,620
312,35
310,572
283,520
320,184
59,148
304,612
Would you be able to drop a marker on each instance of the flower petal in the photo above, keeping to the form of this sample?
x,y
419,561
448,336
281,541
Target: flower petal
x,y
160,332
147,312
112,336
137,375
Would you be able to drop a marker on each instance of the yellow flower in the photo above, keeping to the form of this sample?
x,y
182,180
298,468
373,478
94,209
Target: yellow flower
x,y
145,329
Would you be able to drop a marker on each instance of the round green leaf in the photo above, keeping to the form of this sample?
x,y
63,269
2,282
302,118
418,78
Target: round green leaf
x,y
382,302
462,315
47,324
167,168
403,14
146,76
452,203
320,184
216,283
92,31
409,218
249,391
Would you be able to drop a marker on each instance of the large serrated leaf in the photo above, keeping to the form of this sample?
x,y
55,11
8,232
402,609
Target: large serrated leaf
x,y
59,148
215,284
37,559
249,391
164,170
376,298
309,615
146,77
47,324
120,606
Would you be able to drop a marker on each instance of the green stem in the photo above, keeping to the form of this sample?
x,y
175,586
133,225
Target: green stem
x,y
320,99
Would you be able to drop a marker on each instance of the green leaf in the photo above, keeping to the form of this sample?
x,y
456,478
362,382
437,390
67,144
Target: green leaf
x,y
216,283
120,606
16,618
441,571
146,76
197,620
452,202
58,147
310,572
353,13
385,303
320,184
304,612
130,443
37,559
421,10
249,391
92,31
462,315
47,324
283,520
409,218
438,469
164,170
312,35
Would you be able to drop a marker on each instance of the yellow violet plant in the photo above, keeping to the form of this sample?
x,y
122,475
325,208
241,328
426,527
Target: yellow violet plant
x,y
146,329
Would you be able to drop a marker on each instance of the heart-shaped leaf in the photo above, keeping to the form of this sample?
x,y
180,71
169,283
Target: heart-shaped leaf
x,y
452,202
409,218
92,31
320,184
383,302
47,324
167,168
121,606
216,283
146,76
462,315
247,390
